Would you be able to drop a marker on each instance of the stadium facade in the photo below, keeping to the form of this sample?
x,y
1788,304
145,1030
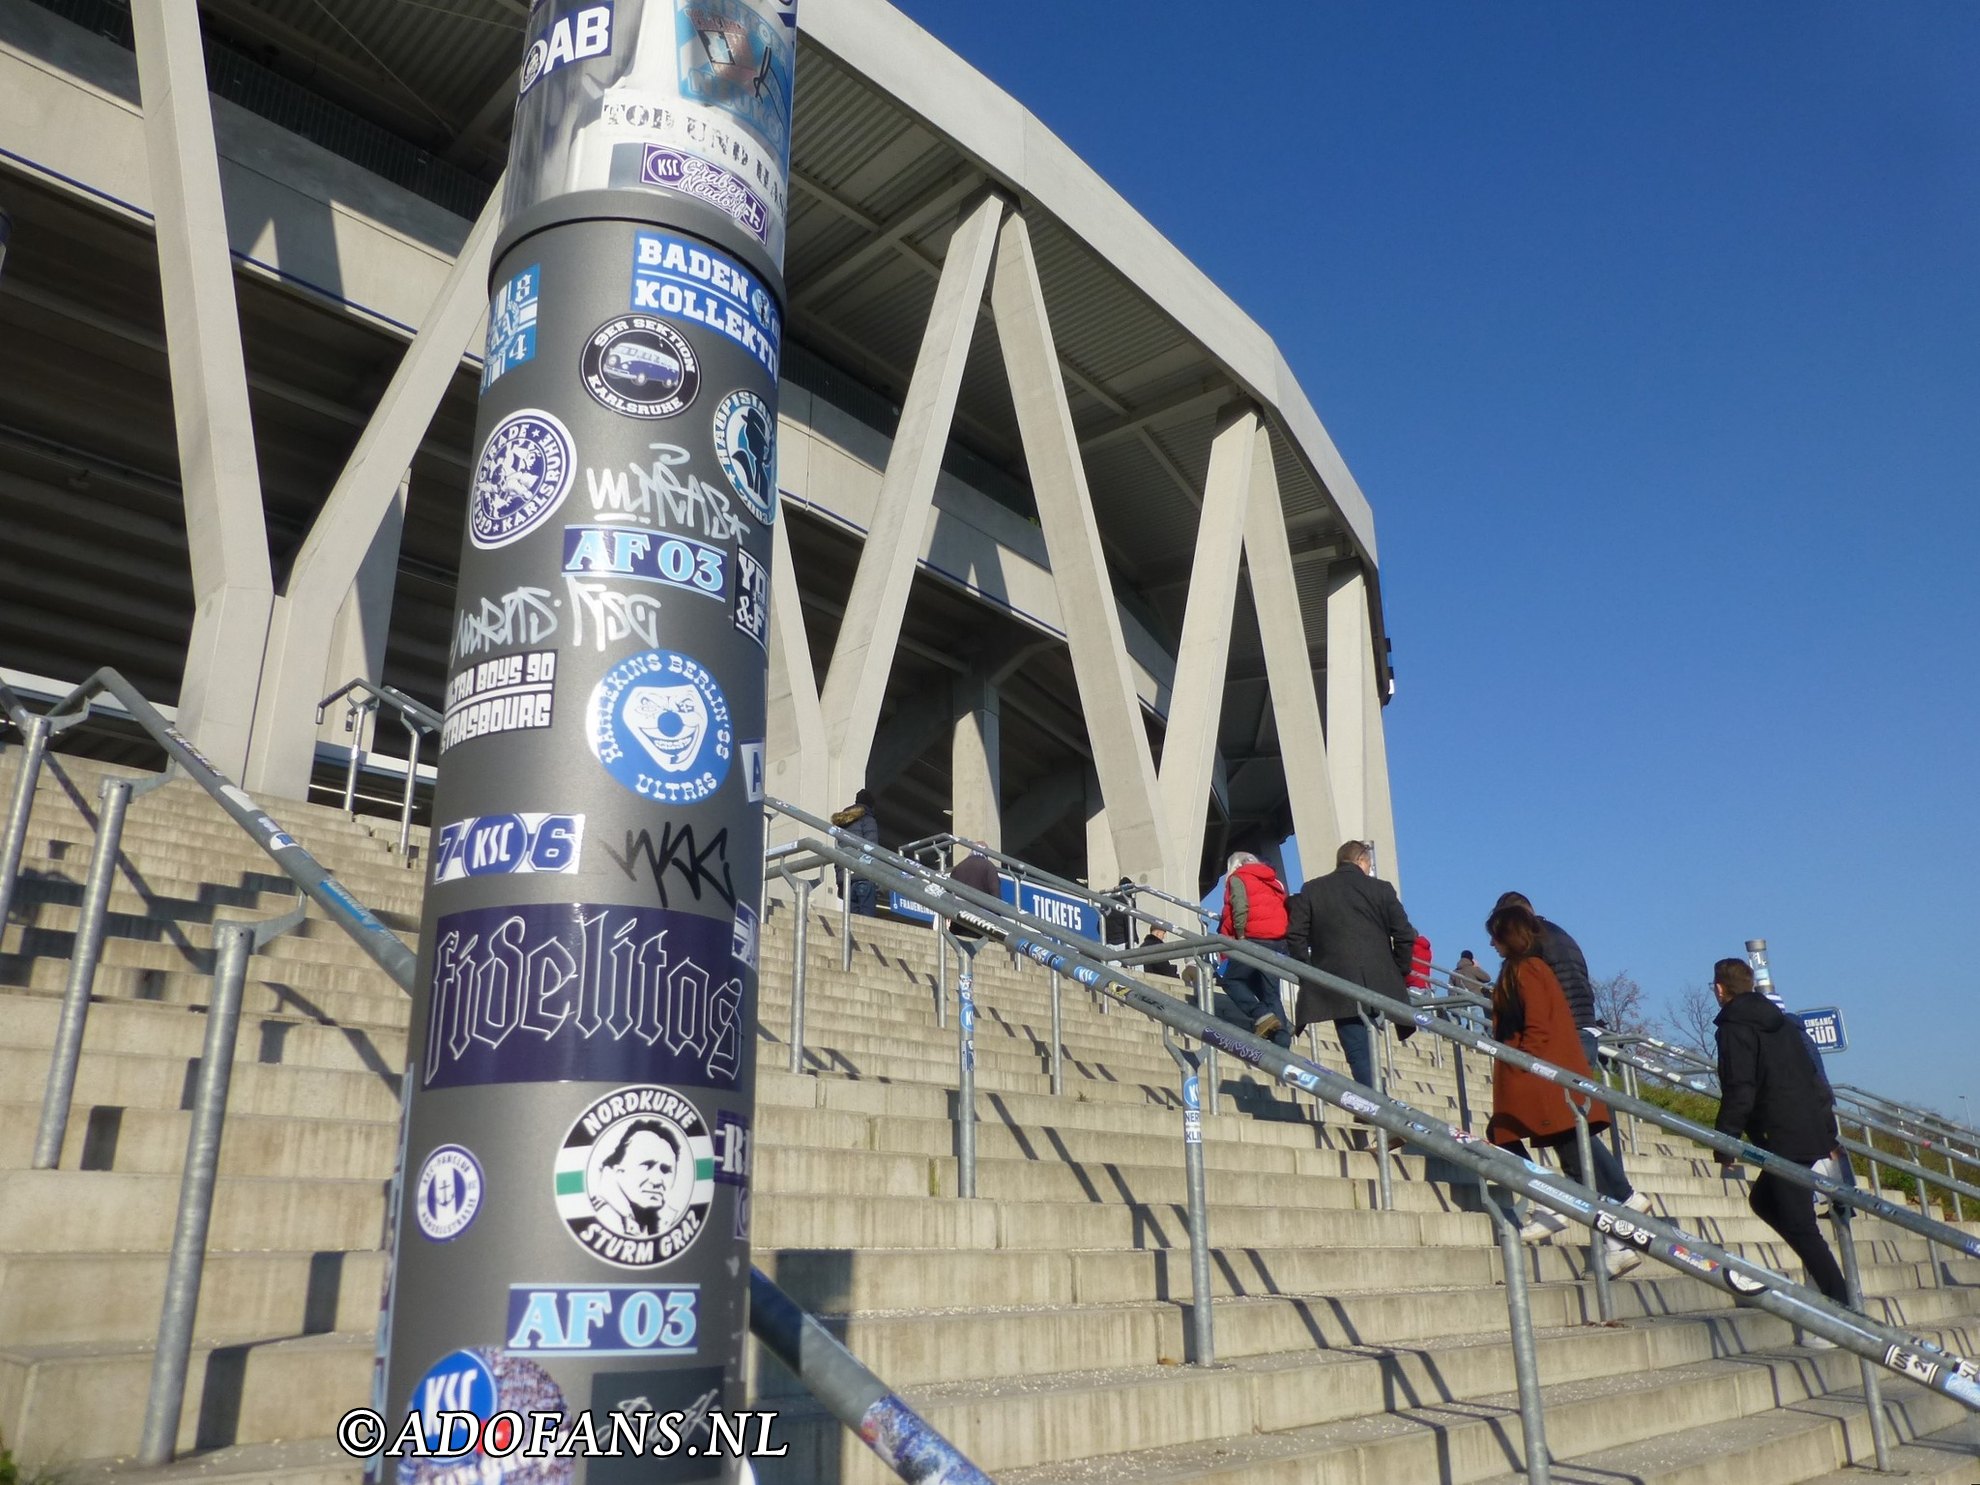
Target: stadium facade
x,y
1069,563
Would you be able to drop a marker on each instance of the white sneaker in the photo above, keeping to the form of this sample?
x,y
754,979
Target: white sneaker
x,y
1638,1202
1620,1259
1809,1341
1542,1225
1831,1170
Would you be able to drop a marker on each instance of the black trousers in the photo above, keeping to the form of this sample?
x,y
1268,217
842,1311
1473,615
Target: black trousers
x,y
1790,1210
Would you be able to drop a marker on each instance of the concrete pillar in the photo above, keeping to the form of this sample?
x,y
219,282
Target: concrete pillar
x,y
1121,753
863,659
1303,746
1380,813
233,588
794,747
1196,706
1103,867
1350,693
343,533
976,762
357,639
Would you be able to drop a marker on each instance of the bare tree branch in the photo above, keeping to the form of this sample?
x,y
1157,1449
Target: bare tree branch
x,y
1688,1020
1619,1005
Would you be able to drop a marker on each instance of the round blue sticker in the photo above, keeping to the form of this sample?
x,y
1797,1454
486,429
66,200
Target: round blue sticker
x,y
660,725
746,445
449,1193
525,471
484,1384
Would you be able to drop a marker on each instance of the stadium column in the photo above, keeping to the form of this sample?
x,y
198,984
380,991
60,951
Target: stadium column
x,y
794,727
226,538
296,673
1100,661
1310,781
572,1235
1354,718
1196,703
863,658
357,639
1103,866
976,760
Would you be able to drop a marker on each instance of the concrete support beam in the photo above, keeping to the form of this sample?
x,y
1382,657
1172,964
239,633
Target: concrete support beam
x,y
1072,538
921,721
357,639
344,530
1350,693
856,683
1103,867
1038,809
1189,750
795,746
1380,815
233,588
1311,772
976,767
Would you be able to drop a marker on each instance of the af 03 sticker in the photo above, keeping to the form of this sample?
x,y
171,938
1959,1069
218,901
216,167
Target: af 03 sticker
x,y
640,366
659,724
635,1176
524,472
449,1193
746,447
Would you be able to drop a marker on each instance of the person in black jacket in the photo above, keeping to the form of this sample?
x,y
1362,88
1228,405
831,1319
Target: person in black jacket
x,y
1351,924
1770,1092
859,819
1560,953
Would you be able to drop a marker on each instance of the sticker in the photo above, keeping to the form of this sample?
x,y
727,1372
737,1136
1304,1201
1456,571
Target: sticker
x,y
513,693
521,616
1192,1096
603,1319
1555,1194
512,322
581,992
449,1193
672,170
508,845
524,473
683,280
482,1383
646,557
1697,1262
660,726
743,939
735,60
732,1161
752,607
281,840
1192,1127
1622,1229
746,448
338,893
1358,1104
1740,1283
635,1176
1911,1364
574,38
664,494
641,367
749,757
674,1455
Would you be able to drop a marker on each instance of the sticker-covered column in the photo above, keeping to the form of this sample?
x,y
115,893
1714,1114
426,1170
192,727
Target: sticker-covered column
x,y
570,1286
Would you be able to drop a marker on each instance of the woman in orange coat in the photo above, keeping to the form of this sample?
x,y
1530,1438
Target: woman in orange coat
x,y
1530,1013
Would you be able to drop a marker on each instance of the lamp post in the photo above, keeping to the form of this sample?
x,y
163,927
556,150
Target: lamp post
x,y
573,1233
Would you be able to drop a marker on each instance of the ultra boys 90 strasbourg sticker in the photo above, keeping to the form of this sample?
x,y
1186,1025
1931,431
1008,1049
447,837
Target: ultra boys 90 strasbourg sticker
x,y
582,992
512,693
508,845
635,1176
525,471
746,446
639,366
683,280
660,725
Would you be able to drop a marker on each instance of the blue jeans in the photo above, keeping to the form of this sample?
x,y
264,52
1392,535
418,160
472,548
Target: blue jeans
x,y
1251,992
1358,1046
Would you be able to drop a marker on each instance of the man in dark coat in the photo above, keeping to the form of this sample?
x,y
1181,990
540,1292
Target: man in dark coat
x,y
979,872
859,819
1771,1092
1351,924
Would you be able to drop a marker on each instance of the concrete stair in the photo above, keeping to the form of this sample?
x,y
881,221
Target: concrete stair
x,y
1044,1325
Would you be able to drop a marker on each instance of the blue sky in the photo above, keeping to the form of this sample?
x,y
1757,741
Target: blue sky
x,y
1652,334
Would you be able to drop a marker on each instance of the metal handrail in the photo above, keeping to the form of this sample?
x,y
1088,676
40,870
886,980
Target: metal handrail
x,y
1051,946
362,698
1105,899
852,1393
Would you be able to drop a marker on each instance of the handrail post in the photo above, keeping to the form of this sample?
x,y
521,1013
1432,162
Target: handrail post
x,y
115,798
846,922
941,978
1463,1093
800,937
355,714
1058,1038
965,1068
1206,1002
1873,1391
234,944
1925,1210
413,739
35,745
1201,1319
1598,1268
1385,1194
1526,1366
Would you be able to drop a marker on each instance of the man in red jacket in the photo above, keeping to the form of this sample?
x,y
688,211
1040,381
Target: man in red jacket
x,y
1255,910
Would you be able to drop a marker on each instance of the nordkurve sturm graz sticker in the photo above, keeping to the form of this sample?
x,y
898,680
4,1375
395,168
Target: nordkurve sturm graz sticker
x,y
636,1175
640,366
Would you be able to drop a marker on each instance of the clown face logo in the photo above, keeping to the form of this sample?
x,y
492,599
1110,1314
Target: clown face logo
x,y
670,723
660,725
